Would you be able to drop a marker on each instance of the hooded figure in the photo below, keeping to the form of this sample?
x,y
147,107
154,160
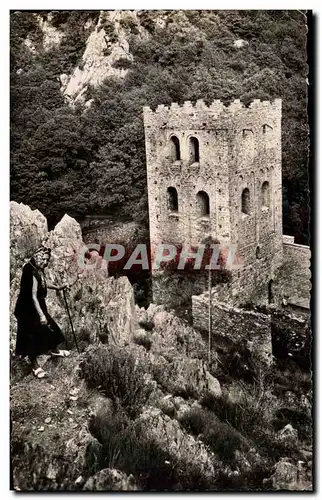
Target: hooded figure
x,y
37,332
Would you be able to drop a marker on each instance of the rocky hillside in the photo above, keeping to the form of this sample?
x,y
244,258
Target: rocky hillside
x,y
141,407
79,81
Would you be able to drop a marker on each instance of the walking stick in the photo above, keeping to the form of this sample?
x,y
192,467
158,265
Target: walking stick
x,y
70,320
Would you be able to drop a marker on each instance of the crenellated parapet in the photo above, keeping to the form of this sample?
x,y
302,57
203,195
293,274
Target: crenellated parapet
x,y
235,116
216,106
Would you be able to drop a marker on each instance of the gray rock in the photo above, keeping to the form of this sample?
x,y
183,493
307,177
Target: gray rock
x,y
168,435
287,476
182,411
178,401
110,480
152,310
167,406
288,435
213,385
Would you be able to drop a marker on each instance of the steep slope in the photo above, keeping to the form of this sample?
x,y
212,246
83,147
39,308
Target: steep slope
x,y
141,406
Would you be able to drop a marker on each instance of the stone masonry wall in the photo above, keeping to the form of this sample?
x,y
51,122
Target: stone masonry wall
x,y
295,274
239,148
103,231
237,325
174,290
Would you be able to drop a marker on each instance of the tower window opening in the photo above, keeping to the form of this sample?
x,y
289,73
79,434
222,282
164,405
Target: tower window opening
x,y
172,199
245,201
258,252
265,194
203,204
194,150
175,148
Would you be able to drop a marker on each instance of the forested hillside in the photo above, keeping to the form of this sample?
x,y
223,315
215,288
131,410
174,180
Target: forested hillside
x,y
84,154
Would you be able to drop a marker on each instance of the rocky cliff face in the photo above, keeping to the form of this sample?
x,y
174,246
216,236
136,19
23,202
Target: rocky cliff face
x,y
102,51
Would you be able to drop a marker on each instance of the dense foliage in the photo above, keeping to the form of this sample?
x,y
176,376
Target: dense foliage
x,y
65,159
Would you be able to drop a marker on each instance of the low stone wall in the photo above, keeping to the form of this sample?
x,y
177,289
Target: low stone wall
x,y
237,325
174,289
103,231
295,273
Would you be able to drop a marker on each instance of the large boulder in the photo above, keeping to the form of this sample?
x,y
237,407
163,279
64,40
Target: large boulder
x,y
101,307
28,229
288,476
185,377
168,435
171,335
288,436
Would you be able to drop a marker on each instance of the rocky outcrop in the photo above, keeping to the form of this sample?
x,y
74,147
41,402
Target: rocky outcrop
x,y
105,45
171,335
185,377
167,434
288,436
110,480
177,352
51,35
101,307
27,231
287,476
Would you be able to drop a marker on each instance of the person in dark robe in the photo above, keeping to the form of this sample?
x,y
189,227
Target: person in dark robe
x,y
37,332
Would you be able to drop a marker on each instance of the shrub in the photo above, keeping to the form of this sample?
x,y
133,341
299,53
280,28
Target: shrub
x,y
122,63
195,420
221,437
119,375
224,440
141,337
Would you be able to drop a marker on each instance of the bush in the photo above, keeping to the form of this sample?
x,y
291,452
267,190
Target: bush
x,y
119,375
224,440
196,420
122,63
143,338
221,437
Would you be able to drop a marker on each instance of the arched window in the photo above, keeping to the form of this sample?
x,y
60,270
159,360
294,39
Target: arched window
x,y
245,201
175,148
265,194
203,204
194,150
258,252
172,197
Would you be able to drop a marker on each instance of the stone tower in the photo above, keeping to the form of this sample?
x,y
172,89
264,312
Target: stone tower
x,y
216,170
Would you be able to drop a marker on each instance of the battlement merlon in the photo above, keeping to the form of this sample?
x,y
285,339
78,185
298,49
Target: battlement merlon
x,y
267,112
